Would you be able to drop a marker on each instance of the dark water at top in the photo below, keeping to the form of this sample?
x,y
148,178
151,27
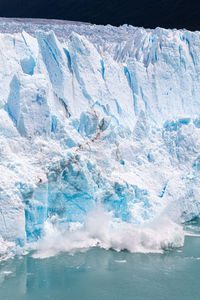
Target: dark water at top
x,y
100,274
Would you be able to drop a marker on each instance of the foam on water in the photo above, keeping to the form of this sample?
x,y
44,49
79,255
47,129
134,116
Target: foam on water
x,y
187,233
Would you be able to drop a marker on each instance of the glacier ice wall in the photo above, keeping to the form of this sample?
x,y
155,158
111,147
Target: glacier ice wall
x,y
96,116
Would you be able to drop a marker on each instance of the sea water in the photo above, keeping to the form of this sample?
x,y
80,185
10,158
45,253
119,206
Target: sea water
x,y
105,274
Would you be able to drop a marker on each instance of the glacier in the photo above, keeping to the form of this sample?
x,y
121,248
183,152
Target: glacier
x,y
100,136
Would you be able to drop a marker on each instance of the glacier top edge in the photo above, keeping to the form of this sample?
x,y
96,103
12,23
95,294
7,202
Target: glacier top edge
x,y
15,25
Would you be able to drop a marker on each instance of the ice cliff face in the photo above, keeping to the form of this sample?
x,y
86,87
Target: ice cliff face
x,y
94,116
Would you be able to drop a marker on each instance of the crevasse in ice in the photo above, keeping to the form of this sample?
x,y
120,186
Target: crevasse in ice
x,y
98,117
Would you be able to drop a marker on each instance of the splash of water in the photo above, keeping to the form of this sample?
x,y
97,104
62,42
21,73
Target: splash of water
x,y
102,230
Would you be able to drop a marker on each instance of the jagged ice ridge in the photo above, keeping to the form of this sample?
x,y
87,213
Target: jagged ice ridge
x,y
100,136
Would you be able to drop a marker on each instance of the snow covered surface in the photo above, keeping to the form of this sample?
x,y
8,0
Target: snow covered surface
x,y
99,136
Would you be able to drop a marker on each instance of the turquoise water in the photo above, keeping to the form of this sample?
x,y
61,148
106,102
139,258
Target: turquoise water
x,y
100,274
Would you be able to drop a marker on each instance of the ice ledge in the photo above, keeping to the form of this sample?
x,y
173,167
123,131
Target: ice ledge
x,y
97,115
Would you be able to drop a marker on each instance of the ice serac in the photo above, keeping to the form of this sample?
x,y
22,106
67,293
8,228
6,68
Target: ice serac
x,y
100,135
